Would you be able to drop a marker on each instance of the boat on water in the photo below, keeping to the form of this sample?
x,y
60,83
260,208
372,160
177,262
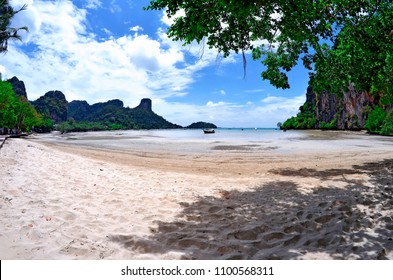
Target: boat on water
x,y
208,130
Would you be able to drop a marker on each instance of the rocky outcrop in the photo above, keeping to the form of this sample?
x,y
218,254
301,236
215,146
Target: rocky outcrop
x,y
18,86
78,110
113,112
145,104
348,111
111,104
356,107
52,105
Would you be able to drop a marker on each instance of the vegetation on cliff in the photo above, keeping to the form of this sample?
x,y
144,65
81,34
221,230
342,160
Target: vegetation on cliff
x,y
53,105
112,115
82,126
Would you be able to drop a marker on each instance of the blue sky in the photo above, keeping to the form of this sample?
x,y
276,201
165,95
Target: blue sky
x,y
97,50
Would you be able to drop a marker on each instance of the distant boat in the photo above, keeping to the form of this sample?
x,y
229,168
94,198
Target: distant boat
x,y
208,130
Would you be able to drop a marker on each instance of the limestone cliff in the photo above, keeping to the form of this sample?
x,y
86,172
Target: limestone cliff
x,y
145,104
114,112
78,110
53,105
18,86
348,111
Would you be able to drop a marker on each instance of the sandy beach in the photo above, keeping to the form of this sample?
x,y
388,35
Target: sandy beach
x,y
327,196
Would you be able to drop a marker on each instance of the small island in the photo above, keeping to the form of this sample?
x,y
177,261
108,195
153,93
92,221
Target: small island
x,y
201,125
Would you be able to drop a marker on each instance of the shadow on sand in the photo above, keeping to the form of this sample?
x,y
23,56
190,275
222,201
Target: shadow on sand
x,y
279,220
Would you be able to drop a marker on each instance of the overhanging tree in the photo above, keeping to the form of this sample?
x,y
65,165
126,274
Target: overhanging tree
x,y
351,39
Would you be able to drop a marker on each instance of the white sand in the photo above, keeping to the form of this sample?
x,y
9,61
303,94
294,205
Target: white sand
x,y
68,202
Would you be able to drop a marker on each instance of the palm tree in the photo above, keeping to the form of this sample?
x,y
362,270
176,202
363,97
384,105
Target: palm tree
x,y
6,31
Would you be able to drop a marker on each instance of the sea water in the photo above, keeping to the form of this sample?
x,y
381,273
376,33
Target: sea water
x,y
187,140
246,134
223,140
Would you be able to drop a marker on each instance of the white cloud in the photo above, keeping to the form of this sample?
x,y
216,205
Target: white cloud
x,y
67,57
28,18
218,104
93,4
273,99
136,28
107,31
169,21
226,114
114,7
288,105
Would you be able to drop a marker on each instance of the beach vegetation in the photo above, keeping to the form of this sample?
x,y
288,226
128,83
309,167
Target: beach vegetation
x,y
387,127
305,119
17,115
329,125
83,126
375,120
7,99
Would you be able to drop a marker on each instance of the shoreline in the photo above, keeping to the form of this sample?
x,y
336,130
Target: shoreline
x,y
329,149
62,201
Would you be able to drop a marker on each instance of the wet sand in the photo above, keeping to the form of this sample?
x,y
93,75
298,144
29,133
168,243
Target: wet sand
x,y
325,196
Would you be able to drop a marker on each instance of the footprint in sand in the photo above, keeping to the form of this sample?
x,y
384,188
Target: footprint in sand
x,y
246,235
273,236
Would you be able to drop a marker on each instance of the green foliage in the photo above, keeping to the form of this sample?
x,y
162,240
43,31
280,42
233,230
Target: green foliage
x,y
112,115
26,115
387,127
350,36
72,126
53,105
375,120
330,125
16,113
44,125
7,103
361,55
305,119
